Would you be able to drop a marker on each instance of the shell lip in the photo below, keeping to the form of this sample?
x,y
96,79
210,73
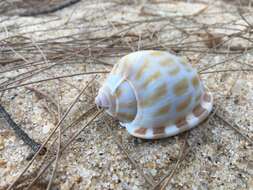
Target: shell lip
x,y
172,128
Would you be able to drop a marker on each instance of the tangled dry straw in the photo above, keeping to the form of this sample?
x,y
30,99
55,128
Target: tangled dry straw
x,y
50,67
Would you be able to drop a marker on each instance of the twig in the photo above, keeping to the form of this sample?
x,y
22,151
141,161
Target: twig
x,y
20,133
48,9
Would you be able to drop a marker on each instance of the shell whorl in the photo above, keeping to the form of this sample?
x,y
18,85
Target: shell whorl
x,y
155,94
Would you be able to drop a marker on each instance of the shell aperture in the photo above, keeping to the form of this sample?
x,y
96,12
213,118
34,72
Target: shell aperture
x,y
155,94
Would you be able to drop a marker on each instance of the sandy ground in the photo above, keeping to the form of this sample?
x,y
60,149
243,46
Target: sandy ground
x,y
217,157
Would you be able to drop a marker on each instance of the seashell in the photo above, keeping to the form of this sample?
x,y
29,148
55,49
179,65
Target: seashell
x,y
155,94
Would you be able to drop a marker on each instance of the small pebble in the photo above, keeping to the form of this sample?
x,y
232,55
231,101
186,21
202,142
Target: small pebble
x,y
153,172
46,128
2,163
78,179
115,178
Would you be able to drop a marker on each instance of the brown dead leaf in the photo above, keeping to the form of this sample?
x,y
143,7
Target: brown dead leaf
x,y
2,163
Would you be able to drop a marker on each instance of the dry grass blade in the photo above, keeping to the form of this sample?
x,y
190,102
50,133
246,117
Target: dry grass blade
x,y
40,51
235,128
51,134
149,180
226,70
167,178
36,72
58,154
54,78
41,95
219,63
88,40
86,114
244,19
64,147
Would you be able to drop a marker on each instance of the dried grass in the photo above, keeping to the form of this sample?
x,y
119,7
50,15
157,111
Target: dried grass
x,y
37,54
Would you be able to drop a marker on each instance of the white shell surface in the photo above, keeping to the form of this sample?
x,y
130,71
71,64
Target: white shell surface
x,y
168,94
